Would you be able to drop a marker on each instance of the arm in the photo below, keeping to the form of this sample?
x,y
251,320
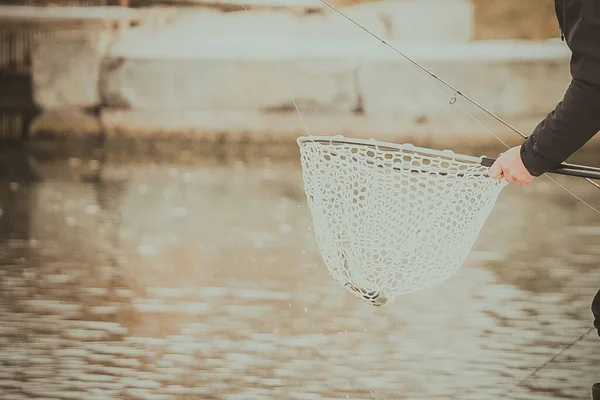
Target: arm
x,y
565,130
576,119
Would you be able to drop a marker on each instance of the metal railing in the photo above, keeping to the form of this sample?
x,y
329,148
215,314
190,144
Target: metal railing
x,y
14,51
16,106
16,44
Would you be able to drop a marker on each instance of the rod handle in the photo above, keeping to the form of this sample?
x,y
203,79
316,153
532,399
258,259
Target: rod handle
x,y
581,171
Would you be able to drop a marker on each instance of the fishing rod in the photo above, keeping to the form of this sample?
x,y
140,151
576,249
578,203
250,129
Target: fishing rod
x,y
581,171
460,94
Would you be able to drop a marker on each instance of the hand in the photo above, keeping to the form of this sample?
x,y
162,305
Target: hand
x,y
510,167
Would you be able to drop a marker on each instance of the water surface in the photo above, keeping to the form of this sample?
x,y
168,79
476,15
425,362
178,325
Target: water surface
x,y
199,278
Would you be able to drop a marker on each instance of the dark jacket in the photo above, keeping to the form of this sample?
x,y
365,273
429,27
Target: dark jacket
x,y
596,311
576,119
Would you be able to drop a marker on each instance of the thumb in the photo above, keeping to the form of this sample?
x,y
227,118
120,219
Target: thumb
x,y
496,171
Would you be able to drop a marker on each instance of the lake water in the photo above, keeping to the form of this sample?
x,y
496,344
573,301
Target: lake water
x,y
199,278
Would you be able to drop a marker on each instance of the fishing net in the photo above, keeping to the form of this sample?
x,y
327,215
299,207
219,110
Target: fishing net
x,y
393,219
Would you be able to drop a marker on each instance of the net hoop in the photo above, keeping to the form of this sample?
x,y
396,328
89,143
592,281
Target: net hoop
x,y
390,219
338,139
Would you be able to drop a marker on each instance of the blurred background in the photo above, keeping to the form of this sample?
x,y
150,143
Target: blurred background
x,y
155,241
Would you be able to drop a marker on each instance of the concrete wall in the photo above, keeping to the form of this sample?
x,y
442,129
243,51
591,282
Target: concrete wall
x,y
244,74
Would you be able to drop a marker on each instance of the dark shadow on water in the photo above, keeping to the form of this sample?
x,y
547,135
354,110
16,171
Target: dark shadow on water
x,y
16,179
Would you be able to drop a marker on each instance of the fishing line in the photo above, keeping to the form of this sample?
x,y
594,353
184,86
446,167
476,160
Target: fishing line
x,y
542,366
457,93
289,89
452,100
574,195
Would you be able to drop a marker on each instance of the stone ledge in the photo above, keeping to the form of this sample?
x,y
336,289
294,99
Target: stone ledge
x,y
255,126
66,122
515,88
301,6
66,70
256,34
147,44
507,78
327,85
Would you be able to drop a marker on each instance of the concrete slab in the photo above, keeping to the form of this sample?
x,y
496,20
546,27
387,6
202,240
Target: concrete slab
x,y
418,21
305,6
509,77
318,84
246,33
513,87
66,69
55,16
261,44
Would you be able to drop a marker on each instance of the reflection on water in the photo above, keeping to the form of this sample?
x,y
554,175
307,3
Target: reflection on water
x,y
124,279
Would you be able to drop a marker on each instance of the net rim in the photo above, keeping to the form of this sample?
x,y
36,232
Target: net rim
x,y
340,139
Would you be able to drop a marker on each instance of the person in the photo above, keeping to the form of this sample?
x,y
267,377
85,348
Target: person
x,y
574,121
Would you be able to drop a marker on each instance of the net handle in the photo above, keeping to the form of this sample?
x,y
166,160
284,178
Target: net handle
x,y
581,171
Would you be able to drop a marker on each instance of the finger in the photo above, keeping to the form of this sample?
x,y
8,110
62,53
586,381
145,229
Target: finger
x,y
498,175
495,171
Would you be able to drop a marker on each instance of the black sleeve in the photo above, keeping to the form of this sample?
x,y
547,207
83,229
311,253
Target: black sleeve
x,y
565,130
596,311
576,119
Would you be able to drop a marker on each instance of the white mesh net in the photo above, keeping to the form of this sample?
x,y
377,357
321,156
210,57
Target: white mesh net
x,y
393,219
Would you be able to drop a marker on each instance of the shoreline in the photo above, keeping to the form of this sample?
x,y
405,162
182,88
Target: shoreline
x,y
223,76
